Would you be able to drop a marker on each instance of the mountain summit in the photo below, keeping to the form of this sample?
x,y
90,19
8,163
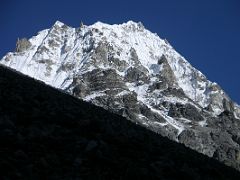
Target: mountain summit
x,y
130,71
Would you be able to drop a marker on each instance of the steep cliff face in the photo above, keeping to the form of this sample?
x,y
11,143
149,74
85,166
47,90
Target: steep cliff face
x,y
132,72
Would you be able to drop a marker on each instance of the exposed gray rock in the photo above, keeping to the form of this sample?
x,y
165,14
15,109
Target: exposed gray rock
x,y
145,111
67,67
162,60
53,43
134,74
187,111
228,105
134,57
48,63
200,139
100,55
173,91
157,86
103,79
23,45
166,72
118,64
80,90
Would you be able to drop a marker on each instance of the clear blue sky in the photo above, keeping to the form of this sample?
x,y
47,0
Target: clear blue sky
x,y
205,32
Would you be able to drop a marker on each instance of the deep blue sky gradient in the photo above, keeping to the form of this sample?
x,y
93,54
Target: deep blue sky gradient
x,y
205,32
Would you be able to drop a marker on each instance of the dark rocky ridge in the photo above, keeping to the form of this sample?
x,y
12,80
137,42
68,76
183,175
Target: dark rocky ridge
x,y
47,134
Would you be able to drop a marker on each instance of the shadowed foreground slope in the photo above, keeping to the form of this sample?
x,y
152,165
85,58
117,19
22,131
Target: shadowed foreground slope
x,y
46,134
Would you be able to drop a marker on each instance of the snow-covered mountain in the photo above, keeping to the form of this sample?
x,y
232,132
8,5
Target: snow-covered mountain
x,y
130,71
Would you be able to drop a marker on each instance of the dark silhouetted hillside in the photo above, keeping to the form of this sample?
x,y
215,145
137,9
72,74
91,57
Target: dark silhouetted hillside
x,y
46,134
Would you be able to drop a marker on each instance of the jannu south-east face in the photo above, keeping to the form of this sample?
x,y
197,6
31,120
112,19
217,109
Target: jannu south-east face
x,y
132,72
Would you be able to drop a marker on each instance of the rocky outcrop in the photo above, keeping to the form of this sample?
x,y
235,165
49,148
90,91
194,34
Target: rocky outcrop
x,y
187,111
22,45
166,73
134,74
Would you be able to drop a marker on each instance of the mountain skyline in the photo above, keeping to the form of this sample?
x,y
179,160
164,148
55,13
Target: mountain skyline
x,y
206,33
130,71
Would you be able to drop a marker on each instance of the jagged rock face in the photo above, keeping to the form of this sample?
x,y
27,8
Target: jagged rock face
x,y
22,45
132,72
